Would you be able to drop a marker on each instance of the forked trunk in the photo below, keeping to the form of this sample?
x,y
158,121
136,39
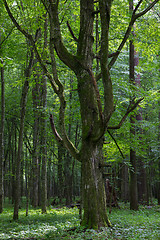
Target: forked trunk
x,y
93,191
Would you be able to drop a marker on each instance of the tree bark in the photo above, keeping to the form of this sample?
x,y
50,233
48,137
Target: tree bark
x,y
124,175
2,136
20,140
43,142
93,191
159,159
20,145
36,147
61,152
133,170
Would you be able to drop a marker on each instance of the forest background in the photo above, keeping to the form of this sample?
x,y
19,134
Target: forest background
x,y
29,152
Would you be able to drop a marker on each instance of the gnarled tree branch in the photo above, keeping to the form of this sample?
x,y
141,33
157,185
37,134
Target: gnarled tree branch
x,y
56,38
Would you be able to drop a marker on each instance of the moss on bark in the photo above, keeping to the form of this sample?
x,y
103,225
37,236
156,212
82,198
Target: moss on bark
x,y
93,192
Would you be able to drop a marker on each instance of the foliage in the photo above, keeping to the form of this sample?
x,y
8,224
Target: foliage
x,y
63,223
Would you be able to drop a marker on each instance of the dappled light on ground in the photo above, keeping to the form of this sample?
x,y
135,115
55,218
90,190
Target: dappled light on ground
x,y
64,223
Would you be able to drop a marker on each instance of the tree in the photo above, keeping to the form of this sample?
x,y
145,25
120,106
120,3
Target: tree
x,y
2,134
133,171
95,110
20,139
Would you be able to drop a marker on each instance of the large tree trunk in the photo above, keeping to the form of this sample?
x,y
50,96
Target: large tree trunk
x,y
93,190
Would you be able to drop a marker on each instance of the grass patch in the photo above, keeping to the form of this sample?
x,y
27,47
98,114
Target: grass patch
x,y
63,223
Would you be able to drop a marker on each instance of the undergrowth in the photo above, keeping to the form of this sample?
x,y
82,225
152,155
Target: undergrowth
x,y
64,223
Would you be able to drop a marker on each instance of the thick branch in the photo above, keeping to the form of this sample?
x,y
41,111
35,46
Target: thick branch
x,y
131,107
97,95
60,92
64,141
56,39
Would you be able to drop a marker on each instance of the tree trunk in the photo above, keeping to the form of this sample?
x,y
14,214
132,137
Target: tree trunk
x,y
93,190
20,145
133,170
20,140
133,181
36,147
43,147
61,152
68,184
159,158
124,183
14,154
2,138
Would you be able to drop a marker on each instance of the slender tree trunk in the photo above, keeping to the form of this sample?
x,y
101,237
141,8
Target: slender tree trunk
x,y
61,152
44,148
68,179
2,137
20,140
159,158
27,184
142,175
39,180
14,154
49,179
133,170
124,182
20,145
68,157
133,181
44,125
36,147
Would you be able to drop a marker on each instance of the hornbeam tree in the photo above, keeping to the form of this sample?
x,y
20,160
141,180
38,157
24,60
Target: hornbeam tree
x,y
95,116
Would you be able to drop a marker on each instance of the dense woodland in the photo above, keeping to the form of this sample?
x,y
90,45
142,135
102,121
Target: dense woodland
x,y
57,106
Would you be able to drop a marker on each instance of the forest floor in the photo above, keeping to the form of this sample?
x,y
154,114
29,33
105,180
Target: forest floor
x,y
64,223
